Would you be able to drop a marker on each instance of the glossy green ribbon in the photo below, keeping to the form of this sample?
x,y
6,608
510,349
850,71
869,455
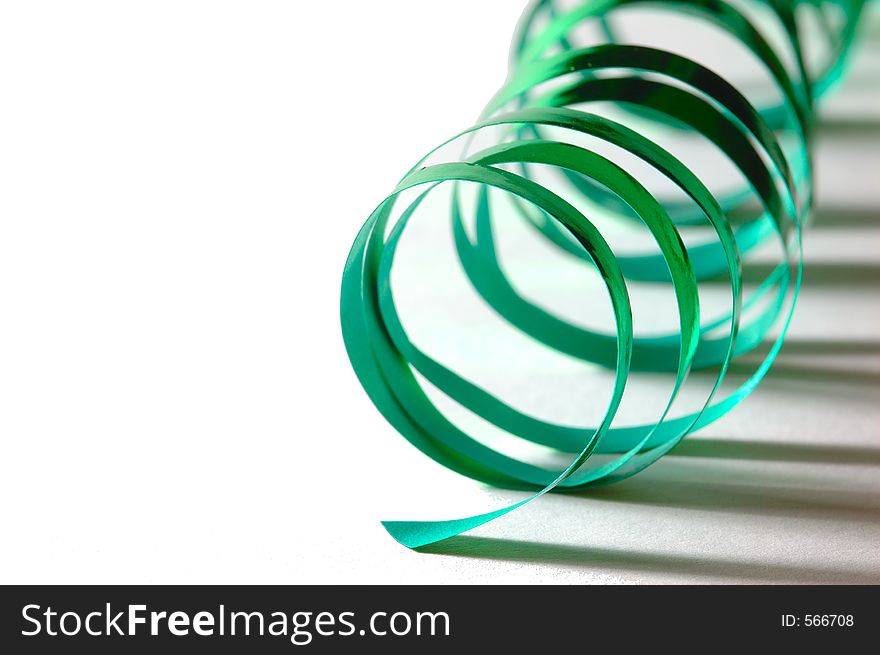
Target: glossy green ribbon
x,y
769,145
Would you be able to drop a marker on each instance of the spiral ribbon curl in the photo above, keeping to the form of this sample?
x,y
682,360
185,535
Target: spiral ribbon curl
x,y
550,88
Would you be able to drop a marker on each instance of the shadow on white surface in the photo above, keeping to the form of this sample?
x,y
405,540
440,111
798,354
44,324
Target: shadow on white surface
x,y
629,561
805,476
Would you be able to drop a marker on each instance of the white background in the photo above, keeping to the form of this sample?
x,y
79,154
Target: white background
x,y
179,186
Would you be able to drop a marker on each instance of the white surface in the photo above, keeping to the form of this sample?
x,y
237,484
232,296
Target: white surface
x,y
175,400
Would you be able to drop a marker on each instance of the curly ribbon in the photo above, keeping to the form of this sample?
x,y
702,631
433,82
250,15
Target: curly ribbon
x,y
769,145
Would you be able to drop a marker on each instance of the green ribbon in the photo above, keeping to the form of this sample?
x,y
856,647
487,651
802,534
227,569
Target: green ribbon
x,y
770,146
